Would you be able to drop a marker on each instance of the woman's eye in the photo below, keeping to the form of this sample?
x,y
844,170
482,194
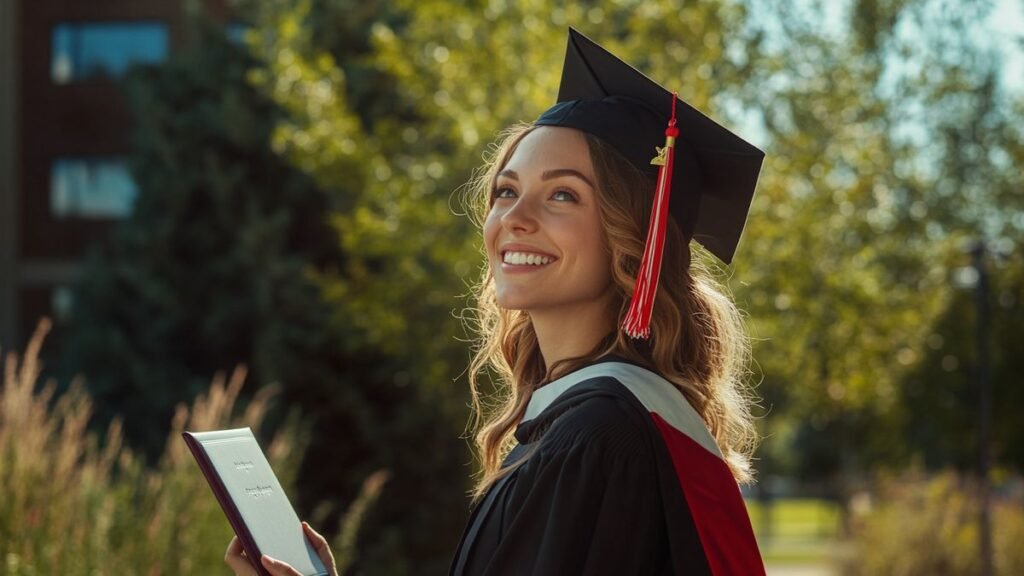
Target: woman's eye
x,y
503,192
564,196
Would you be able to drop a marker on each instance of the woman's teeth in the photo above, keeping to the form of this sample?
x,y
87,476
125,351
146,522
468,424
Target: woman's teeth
x,y
525,258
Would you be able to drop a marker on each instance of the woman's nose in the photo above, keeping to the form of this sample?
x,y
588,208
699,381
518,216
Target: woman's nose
x,y
521,216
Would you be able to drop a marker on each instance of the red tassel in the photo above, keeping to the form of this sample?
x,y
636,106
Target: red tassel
x,y
637,323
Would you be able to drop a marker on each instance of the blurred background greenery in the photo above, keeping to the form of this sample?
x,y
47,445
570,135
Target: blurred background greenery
x,y
298,214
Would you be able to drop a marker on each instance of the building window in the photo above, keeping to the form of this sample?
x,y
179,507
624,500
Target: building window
x,y
91,188
62,304
90,49
236,32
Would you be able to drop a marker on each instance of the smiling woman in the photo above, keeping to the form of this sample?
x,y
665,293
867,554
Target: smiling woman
x,y
625,424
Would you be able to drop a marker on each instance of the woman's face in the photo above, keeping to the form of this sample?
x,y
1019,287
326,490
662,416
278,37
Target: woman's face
x,y
545,243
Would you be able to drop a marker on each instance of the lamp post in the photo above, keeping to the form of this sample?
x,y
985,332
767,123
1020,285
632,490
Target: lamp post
x,y
984,384
976,276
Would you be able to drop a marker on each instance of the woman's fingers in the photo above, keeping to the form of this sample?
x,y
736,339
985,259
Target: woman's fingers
x,y
318,541
277,567
321,547
235,558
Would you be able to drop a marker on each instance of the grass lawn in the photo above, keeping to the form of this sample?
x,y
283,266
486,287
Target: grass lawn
x,y
796,530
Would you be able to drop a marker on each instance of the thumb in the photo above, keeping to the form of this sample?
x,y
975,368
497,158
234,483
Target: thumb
x,y
277,567
322,548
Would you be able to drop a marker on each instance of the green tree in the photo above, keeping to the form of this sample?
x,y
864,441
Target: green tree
x,y
962,122
835,275
890,141
941,397
213,268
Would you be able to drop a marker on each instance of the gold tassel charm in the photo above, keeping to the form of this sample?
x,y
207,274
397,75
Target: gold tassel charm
x,y
662,156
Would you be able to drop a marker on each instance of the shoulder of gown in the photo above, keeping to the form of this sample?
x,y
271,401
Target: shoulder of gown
x,y
621,415
611,485
587,501
600,421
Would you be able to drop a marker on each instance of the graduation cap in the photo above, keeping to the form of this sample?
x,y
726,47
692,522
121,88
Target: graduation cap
x,y
709,172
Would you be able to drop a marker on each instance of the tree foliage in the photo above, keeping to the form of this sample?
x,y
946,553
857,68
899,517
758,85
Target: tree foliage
x,y
213,268
862,212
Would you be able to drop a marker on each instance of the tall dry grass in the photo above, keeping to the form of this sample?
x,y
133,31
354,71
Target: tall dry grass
x,y
72,504
928,526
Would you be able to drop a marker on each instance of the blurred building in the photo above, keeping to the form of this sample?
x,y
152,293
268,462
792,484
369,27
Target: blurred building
x,y
64,129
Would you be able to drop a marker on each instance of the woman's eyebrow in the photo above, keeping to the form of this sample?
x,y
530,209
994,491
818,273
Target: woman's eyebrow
x,y
559,172
549,174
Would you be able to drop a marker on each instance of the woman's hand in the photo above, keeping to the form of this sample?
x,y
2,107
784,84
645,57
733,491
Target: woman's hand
x,y
235,557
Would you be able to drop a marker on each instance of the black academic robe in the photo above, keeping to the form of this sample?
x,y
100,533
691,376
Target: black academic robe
x,y
626,480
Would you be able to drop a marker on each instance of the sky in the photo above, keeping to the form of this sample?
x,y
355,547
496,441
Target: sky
x,y
1007,25
1004,30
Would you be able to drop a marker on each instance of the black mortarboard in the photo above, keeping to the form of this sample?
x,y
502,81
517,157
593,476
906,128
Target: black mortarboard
x,y
716,171
602,95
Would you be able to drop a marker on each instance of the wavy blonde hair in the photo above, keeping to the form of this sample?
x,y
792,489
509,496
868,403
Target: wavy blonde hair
x,y
698,340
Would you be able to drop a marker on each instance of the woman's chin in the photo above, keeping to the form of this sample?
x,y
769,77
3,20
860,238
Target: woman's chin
x,y
512,301
511,305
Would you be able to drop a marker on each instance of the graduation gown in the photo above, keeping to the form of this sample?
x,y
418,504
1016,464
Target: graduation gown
x,y
626,480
